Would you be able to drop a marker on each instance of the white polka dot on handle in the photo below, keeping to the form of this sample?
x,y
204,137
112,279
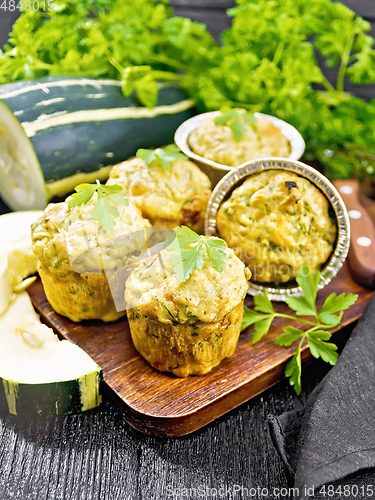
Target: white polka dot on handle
x,y
363,241
346,189
355,214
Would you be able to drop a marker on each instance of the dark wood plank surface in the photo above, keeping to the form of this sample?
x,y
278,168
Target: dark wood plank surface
x,y
97,455
166,406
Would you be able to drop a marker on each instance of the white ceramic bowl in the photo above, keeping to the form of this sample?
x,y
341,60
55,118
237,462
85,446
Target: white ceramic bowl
x,y
216,171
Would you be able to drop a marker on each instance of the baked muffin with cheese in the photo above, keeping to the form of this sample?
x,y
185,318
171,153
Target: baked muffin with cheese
x,y
166,197
217,143
82,266
186,328
276,221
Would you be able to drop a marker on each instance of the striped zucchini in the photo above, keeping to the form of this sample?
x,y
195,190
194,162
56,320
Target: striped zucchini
x,y
41,376
51,399
78,128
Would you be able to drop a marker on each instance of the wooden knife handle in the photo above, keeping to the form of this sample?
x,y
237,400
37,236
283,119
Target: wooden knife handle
x,y
361,257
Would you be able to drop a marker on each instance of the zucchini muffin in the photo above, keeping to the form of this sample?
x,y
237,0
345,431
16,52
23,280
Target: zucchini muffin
x,y
83,267
168,198
186,328
217,143
276,221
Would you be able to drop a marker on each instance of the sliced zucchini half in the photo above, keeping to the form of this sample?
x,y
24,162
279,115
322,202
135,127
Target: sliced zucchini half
x,y
22,184
79,128
17,260
41,376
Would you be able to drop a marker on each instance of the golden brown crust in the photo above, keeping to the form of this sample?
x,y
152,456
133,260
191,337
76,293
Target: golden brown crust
x,y
193,213
73,250
69,239
207,295
276,221
80,296
185,349
167,198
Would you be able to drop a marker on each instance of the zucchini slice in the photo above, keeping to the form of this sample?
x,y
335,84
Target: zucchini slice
x,y
17,260
41,376
22,185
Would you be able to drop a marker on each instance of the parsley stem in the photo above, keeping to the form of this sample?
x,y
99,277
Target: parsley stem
x,y
328,85
278,52
169,62
114,61
295,318
316,327
344,63
40,64
305,334
99,190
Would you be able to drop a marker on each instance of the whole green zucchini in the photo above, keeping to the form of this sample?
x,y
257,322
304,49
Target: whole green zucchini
x,y
73,130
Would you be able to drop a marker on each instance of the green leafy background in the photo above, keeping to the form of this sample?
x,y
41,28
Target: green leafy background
x,y
267,62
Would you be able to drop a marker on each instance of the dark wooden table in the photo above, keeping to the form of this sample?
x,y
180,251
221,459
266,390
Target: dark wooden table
x,y
97,455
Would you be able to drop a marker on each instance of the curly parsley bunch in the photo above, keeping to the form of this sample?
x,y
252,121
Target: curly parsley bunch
x,y
268,62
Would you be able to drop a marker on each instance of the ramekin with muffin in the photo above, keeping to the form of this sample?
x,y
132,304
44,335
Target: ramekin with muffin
x,y
276,221
217,142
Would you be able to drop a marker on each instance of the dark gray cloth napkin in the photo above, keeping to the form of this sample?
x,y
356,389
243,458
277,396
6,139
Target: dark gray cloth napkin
x,y
334,435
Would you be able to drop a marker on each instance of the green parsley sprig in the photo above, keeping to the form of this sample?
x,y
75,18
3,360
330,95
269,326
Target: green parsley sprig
x,y
316,336
163,156
237,121
187,252
105,210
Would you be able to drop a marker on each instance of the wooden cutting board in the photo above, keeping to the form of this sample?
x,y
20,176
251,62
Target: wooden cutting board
x,y
162,405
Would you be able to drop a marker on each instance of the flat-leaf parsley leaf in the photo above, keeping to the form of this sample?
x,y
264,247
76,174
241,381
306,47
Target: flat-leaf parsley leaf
x,y
237,121
164,156
316,336
188,255
105,210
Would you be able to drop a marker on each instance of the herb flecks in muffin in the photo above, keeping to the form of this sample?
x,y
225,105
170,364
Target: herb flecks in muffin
x,y
237,121
187,248
276,221
163,156
105,210
167,198
189,327
229,139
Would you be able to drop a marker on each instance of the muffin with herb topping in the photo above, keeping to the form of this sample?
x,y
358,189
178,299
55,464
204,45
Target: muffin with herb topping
x,y
186,327
276,221
240,138
77,257
169,190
